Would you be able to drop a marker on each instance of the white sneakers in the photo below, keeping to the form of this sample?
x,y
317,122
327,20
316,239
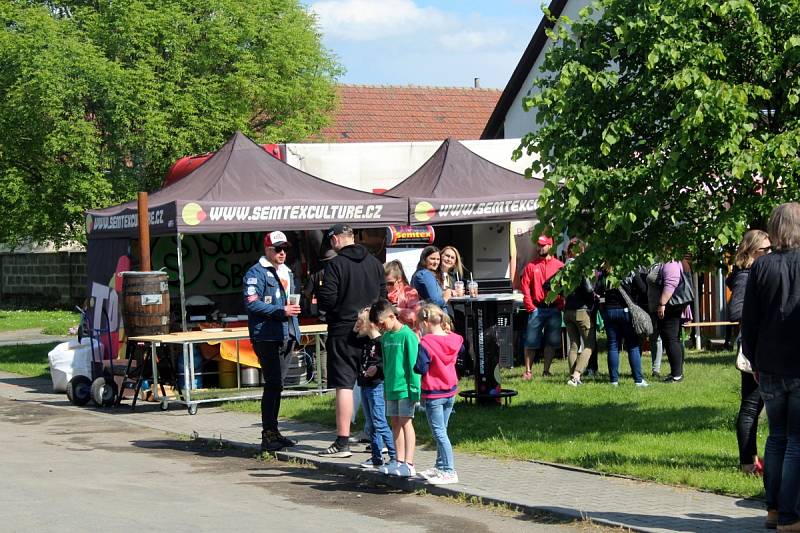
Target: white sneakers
x,y
388,468
443,478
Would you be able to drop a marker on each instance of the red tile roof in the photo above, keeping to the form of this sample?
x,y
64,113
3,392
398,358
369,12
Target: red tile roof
x,y
369,113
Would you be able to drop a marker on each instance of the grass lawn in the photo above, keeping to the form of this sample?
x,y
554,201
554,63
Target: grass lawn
x,y
50,322
27,360
679,434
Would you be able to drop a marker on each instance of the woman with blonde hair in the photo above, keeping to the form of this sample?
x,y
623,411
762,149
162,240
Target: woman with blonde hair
x,y
451,266
770,337
402,295
755,243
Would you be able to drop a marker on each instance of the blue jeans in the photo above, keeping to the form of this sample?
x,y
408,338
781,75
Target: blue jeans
x,y
618,327
438,412
544,327
782,451
374,407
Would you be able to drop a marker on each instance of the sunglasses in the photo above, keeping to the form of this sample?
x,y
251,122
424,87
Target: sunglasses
x,y
279,249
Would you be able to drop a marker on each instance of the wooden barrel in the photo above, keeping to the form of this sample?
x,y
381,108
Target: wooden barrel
x,y
145,303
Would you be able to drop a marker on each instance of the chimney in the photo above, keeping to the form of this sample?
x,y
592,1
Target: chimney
x,y
477,83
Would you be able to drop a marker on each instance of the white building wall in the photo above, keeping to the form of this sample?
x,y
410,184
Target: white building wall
x,y
369,166
517,121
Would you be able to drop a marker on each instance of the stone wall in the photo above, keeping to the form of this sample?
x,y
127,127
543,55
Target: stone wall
x,y
56,279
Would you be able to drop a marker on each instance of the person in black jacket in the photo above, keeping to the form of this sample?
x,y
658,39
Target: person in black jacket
x,y
353,280
770,339
618,324
755,243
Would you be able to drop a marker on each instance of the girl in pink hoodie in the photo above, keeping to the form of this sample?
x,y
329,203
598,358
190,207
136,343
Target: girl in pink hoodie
x,y
436,361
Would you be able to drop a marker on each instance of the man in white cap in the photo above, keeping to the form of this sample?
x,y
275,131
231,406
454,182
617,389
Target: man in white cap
x,y
274,329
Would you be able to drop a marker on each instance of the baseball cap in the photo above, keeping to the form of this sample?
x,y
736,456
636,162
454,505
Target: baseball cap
x,y
337,229
544,239
276,238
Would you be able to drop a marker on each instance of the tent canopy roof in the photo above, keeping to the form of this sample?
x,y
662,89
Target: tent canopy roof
x,y
242,188
457,185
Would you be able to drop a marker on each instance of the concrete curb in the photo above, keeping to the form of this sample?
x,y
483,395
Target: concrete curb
x,y
412,485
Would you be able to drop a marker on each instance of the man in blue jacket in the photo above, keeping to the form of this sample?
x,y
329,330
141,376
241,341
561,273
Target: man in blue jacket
x,y
274,330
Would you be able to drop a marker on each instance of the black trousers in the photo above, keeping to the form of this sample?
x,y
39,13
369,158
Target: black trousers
x,y
274,360
669,329
747,421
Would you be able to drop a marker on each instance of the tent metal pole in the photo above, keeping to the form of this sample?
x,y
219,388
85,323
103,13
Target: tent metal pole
x,y
180,281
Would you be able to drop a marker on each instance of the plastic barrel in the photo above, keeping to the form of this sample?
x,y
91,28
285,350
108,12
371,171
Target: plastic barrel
x,y
227,374
198,380
145,303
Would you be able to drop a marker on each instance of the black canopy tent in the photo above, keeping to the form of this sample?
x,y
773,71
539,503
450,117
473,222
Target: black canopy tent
x,y
239,189
457,186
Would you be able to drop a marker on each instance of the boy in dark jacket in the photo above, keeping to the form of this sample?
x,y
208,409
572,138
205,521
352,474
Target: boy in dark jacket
x,y
370,380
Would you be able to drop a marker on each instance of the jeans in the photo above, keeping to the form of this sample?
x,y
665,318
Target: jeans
x,y
544,328
669,328
747,421
374,407
438,412
618,327
274,360
782,452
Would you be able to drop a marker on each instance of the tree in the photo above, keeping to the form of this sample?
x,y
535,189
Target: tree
x,y
100,97
667,126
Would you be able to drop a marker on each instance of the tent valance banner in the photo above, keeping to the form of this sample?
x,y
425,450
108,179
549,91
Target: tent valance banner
x,y
457,186
242,188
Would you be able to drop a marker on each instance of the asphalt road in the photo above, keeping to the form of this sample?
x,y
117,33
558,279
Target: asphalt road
x,y
64,470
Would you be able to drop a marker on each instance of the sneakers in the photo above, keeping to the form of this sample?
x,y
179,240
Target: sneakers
x,y
547,374
369,465
527,376
271,441
336,450
615,383
405,470
574,382
388,468
429,473
642,383
444,478
368,448
656,374
673,379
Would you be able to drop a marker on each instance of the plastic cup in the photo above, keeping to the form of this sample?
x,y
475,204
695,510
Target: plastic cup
x,y
294,299
458,287
473,289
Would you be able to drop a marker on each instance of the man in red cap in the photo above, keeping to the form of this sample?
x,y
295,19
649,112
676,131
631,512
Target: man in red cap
x,y
274,329
544,320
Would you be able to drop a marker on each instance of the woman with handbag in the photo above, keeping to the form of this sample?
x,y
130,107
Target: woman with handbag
x,y
770,336
755,243
677,292
619,326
